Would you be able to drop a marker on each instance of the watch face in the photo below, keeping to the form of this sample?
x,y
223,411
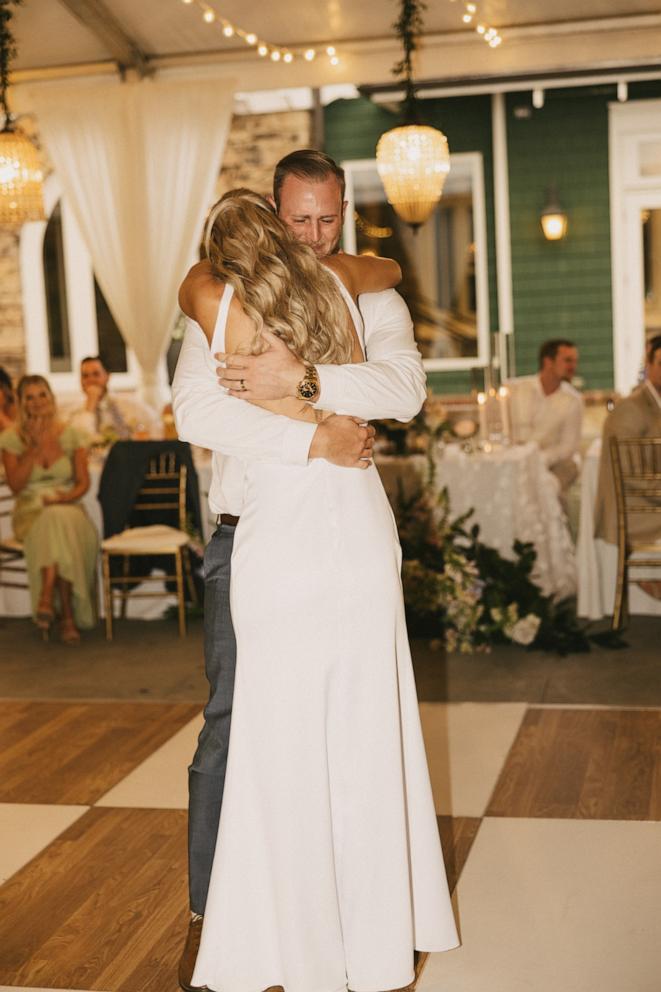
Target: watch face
x,y
307,390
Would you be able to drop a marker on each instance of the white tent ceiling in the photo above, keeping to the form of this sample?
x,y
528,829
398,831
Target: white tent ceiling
x,y
61,37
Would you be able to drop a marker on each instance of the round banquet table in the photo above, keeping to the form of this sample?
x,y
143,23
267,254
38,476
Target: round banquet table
x,y
514,497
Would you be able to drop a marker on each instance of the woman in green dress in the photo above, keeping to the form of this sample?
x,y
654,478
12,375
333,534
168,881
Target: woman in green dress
x,y
46,467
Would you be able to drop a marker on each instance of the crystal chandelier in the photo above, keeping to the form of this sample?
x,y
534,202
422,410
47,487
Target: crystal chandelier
x,y
413,161
20,173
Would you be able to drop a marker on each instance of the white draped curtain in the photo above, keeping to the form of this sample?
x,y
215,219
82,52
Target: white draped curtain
x,y
138,162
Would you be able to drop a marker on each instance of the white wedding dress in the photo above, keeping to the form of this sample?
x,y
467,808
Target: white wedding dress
x,y
328,868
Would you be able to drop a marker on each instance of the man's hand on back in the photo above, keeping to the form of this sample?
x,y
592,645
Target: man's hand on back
x,y
345,441
273,375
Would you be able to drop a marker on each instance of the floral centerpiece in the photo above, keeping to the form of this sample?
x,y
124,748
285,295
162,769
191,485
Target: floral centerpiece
x,y
465,594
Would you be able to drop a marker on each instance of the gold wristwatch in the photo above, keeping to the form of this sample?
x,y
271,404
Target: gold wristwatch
x,y
308,387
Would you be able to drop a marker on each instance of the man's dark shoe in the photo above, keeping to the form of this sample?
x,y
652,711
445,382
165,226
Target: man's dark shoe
x,y
189,955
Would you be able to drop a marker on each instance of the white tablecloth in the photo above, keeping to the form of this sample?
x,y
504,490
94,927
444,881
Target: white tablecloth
x,y
514,497
597,561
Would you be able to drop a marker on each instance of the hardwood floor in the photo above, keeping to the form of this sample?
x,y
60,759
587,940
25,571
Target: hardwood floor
x,y
457,836
583,764
103,907
52,752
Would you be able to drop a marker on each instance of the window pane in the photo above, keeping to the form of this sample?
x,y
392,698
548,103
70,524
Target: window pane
x,y
112,349
56,295
438,262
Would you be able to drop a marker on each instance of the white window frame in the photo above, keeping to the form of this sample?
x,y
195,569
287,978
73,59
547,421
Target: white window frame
x,y
472,163
79,275
630,125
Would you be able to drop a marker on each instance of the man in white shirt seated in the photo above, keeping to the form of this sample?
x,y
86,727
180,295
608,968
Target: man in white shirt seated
x,y
548,410
106,416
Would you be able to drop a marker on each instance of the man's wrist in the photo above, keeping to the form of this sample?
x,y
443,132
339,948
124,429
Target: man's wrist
x,y
308,388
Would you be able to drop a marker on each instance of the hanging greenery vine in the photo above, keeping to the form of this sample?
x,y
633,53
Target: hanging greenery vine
x,y
7,53
408,28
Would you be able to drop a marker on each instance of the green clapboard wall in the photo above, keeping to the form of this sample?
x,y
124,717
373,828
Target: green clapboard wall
x,y
560,289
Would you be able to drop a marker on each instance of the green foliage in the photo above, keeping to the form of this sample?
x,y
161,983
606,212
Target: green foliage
x,y
460,589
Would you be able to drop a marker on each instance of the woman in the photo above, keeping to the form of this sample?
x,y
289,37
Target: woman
x,y
7,401
46,467
328,869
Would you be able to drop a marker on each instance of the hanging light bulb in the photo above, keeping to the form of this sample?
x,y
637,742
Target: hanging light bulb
x,y
21,197
413,161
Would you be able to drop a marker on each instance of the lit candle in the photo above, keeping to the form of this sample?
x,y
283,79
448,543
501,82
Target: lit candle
x,y
505,419
482,412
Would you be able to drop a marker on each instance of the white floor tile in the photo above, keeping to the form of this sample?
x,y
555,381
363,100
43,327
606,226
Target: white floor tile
x,y
545,905
161,781
467,744
26,829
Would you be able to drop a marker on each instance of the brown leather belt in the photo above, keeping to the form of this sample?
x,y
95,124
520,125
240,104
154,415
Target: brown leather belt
x,y
228,519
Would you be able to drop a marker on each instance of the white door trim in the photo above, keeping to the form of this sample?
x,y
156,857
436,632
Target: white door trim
x,y
630,126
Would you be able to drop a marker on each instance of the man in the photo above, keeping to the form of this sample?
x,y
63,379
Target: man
x,y
309,196
639,415
548,410
103,415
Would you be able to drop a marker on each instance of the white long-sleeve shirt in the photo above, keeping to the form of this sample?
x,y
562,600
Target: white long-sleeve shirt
x,y
553,421
391,383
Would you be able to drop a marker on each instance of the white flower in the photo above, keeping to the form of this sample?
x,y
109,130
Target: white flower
x,y
525,630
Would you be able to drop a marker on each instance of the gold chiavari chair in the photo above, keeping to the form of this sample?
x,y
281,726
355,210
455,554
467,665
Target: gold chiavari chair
x,y
163,491
13,570
637,473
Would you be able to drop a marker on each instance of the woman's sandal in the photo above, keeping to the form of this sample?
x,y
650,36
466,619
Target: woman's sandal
x,y
44,618
69,633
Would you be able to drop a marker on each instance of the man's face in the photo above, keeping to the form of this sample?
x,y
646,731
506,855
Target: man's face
x,y
565,363
653,370
93,375
313,212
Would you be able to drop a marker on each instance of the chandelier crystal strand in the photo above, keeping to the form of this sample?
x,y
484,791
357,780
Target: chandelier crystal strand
x,y
21,197
277,53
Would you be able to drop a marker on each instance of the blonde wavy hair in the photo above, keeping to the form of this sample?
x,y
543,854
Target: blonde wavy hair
x,y
278,280
23,417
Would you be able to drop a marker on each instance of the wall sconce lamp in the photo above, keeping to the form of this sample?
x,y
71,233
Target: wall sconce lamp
x,y
553,218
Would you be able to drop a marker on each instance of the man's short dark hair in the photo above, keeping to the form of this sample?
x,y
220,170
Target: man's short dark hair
x,y
306,163
550,349
93,358
5,381
653,345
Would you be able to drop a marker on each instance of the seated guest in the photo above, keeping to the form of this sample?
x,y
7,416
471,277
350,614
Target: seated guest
x,y
46,467
639,415
110,416
7,401
547,409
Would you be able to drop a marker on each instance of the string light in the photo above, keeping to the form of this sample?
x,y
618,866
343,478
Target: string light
x,y
489,34
263,48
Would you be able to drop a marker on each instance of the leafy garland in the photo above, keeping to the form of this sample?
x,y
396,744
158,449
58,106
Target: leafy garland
x,y
408,28
7,53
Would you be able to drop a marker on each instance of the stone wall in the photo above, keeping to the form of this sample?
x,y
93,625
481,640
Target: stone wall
x,y
254,145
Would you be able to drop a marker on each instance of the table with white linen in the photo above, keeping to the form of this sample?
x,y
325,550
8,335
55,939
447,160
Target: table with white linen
x,y
514,497
16,602
597,560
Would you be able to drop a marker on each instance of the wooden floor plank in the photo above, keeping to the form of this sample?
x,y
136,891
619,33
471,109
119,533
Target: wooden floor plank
x,y
73,753
457,836
104,907
600,764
